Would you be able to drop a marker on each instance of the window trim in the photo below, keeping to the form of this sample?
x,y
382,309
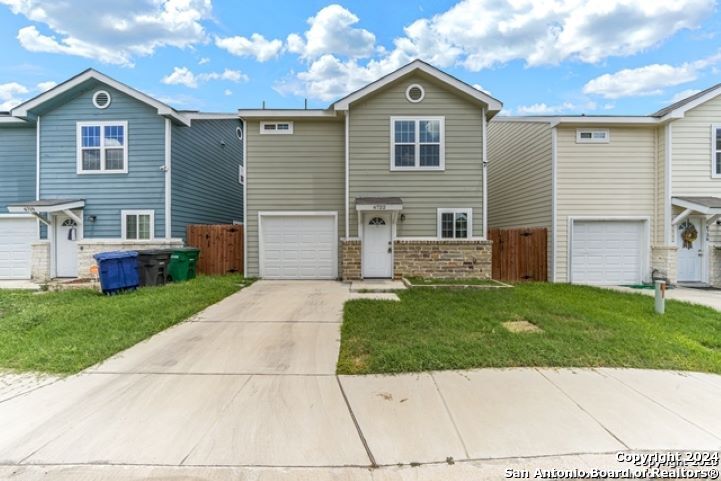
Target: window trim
x,y
79,146
137,212
606,140
715,174
276,131
442,144
454,210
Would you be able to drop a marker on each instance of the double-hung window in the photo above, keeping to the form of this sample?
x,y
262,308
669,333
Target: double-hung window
x,y
138,224
716,150
102,147
417,143
455,223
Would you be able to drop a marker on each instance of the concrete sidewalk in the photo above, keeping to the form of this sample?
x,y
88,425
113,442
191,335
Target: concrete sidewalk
x,y
247,389
708,298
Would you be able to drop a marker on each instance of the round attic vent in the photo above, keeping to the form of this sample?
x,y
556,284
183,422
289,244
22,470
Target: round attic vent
x,y
239,133
101,99
415,93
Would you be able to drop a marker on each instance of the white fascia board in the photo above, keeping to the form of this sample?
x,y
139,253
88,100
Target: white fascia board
x,y
520,118
375,207
601,120
12,120
163,109
284,113
494,105
703,209
20,209
210,116
681,111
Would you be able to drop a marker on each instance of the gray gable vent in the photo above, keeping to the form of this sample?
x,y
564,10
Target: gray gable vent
x,y
101,99
415,93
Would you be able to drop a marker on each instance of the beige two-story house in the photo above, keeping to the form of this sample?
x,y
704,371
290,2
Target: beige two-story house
x,y
625,199
388,181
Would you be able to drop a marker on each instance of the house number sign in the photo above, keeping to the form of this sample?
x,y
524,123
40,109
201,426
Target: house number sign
x,y
379,207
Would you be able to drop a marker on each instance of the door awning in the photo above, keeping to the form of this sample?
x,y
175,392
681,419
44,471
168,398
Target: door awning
x,y
46,206
708,206
49,206
378,203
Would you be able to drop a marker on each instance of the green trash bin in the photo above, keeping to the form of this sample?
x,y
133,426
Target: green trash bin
x,y
182,264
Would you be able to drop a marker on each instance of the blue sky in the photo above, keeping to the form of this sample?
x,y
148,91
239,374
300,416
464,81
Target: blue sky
x,y
537,56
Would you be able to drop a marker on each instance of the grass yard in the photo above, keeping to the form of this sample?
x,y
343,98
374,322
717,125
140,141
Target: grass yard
x,y
582,327
65,332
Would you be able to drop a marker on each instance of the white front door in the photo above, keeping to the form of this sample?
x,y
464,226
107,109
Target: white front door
x,y
377,246
689,238
66,249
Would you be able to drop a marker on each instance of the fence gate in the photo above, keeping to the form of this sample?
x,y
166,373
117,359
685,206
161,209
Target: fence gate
x,y
221,247
520,254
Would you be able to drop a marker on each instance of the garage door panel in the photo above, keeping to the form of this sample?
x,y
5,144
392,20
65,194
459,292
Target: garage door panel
x,y
298,246
607,252
16,238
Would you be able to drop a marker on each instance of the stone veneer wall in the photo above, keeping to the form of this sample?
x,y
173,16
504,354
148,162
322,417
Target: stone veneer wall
x,y
714,272
664,259
350,260
458,259
87,248
40,261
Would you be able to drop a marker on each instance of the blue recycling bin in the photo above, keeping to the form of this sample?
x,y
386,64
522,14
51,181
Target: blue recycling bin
x,y
118,271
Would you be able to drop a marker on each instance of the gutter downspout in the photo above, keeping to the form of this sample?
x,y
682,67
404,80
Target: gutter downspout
x,y
37,159
168,180
347,173
245,198
484,235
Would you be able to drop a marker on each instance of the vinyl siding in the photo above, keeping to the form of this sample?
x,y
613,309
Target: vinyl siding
x,y
423,192
304,171
520,177
17,165
661,195
205,187
143,187
603,180
691,154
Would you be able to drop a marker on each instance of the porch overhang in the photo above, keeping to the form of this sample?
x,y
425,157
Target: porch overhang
x,y
49,206
706,205
363,204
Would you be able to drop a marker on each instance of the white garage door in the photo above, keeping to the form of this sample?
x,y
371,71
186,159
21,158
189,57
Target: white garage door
x,y
298,247
16,237
607,252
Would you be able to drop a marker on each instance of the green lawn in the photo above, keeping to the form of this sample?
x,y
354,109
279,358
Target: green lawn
x,y
65,332
422,281
582,326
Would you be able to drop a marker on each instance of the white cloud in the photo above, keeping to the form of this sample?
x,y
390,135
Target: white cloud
x,y
683,95
257,46
331,32
11,95
647,80
478,34
184,76
117,31
480,87
203,61
563,108
44,86
227,92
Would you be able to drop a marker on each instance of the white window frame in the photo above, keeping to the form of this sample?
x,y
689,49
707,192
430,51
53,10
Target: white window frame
x,y
442,144
593,140
288,131
458,210
124,223
716,174
102,125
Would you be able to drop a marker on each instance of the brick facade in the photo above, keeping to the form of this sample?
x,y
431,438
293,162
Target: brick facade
x,y
663,258
350,260
442,259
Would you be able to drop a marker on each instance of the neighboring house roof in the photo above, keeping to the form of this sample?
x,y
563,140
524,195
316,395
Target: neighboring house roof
x,y
493,106
24,109
689,102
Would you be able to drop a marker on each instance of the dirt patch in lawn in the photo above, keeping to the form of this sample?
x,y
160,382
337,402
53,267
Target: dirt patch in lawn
x,y
521,326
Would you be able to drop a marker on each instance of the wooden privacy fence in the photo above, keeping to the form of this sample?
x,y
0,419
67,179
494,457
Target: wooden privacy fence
x,y
221,247
520,254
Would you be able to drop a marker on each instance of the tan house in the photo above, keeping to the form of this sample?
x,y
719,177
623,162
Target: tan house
x,y
624,198
385,182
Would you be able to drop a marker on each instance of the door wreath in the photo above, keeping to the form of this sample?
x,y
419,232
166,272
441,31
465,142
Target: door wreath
x,y
689,234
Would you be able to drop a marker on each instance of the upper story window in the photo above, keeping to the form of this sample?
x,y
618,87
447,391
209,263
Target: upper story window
x,y
276,128
102,147
592,136
417,143
716,150
138,224
454,223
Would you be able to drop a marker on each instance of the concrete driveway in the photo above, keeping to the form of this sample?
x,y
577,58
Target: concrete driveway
x,y
247,389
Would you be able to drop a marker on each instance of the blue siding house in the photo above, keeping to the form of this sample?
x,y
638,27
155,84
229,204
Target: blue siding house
x,y
94,165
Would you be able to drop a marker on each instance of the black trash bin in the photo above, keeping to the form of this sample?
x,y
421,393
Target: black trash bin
x,y
153,266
